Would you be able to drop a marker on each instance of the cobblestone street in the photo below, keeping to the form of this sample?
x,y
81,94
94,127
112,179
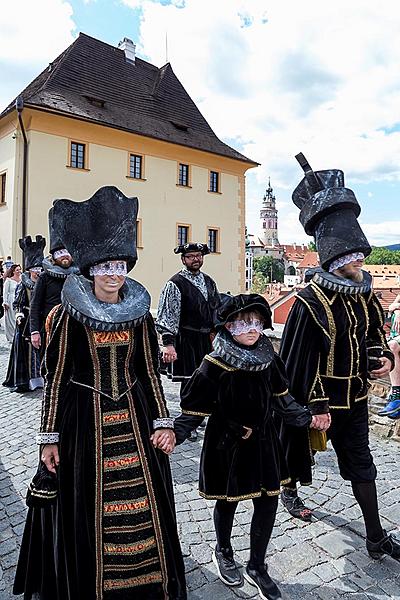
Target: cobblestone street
x,y
324,560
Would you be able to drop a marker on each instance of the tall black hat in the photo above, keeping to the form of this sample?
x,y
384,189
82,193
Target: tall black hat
x,y
232,305
99,229
55,227
192,247
32,251
329,211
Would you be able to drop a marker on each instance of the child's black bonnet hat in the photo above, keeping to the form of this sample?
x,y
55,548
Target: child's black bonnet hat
x,y
231,305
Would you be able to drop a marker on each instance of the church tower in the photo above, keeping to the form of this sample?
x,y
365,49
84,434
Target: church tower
x,y
269,218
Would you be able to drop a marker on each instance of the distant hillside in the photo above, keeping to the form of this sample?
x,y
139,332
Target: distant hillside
x,y
393,247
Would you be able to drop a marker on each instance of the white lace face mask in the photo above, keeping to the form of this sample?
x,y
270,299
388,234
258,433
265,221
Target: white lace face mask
x,y
115,267
36,270
61,253
240,326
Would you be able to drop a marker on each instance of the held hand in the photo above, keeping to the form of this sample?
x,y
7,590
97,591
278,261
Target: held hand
x,y
169,354
50,457
385,368
164,439
321,422
36,341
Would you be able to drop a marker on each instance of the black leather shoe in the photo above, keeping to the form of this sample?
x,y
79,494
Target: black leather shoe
x,y
295,505
259,577
387,545
226,567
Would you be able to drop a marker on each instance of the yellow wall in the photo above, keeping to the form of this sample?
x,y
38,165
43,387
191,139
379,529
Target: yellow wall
x,y
162,203
9,155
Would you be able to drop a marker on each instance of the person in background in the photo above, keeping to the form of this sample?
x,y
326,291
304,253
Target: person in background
x,y
12,279
392,408
47,292
186,314
23,373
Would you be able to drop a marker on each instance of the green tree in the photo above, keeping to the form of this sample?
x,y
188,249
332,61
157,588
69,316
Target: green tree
x,y
312,247
271,268
383,256
259,284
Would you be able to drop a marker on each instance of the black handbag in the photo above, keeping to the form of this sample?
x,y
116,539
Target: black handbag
x,y
43,489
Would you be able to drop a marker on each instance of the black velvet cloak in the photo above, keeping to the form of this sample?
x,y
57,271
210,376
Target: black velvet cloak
x,y
239,402
111,535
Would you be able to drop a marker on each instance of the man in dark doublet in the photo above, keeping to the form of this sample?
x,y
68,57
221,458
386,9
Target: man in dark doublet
x,y
47,292
332,342
186,315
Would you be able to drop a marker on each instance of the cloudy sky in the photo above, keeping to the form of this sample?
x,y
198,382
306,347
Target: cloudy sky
x,y
272,77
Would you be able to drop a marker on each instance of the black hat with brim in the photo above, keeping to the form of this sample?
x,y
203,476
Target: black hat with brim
x,y
192,247
232,305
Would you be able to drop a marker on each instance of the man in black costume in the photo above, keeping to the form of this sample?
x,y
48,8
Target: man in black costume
x,y
23,372
332,340
186,315
47,293
109,531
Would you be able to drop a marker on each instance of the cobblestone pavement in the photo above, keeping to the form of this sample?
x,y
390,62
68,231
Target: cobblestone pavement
x,y
323,560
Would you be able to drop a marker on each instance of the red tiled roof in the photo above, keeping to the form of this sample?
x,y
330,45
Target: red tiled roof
x,y
310,260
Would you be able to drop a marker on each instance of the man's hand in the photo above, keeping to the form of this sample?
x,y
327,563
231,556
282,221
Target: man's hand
x,y
50,457
164,439
169,354
321,422
35,340
385,368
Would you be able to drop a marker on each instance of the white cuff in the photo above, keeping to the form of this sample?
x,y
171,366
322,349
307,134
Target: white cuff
x,y
164,423
47,438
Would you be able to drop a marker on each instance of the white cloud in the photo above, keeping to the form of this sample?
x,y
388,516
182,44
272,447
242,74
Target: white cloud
x,y
32,34
283,77
382,234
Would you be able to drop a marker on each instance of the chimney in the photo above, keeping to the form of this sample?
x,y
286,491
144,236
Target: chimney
x,y
129,48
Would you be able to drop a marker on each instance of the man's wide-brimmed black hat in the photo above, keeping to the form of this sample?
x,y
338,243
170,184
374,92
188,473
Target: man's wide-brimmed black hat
x,y
232,305
32,251
329,211
99,229
192,247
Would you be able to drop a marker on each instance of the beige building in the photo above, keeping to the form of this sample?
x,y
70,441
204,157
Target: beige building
x,y
98,115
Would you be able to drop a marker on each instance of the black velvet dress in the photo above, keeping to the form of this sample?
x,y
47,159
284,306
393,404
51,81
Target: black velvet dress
x,y
239,399
112,532
23,370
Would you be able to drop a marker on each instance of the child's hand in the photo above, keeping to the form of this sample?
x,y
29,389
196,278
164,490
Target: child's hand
x,y
164,439
321,422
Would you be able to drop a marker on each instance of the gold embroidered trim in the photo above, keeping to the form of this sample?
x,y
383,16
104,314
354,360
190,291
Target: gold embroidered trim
x,y
357,347
215,361
365,307
246,496
126,506
109,529
331,324
118,439
136,548
318,400
117,416
54,389
113,584
114,372
111,337
313,316
196,414
121,462
281,393
158,396
132,567
150,492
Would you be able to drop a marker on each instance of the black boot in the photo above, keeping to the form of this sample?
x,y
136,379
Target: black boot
x,y
387,545
259,577
226,566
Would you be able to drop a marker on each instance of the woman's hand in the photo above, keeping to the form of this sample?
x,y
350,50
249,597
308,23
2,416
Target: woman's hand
x,y
164,439
50,457
169,354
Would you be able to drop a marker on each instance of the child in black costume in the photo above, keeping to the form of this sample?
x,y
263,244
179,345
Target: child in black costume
x,y
238,386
